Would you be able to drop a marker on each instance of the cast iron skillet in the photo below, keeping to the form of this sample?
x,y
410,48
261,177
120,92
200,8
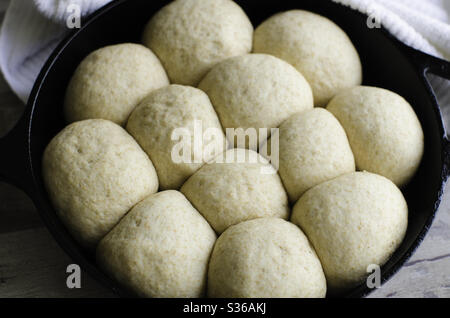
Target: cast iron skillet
x,y
387,63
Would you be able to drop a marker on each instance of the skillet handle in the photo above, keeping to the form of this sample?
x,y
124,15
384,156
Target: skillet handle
x,y
433,64
440,67
15,157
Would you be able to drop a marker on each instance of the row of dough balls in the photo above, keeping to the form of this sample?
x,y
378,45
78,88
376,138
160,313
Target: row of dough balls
x,y
164,248
81,163
156,249
96,172
198,39
187,38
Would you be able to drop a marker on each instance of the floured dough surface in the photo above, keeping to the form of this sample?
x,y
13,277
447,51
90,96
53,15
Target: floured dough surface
x,y
160,249
191,36
313,148
384,132
154,125
256,91
316,46
95,173
111,81
265,258
230,193
353,221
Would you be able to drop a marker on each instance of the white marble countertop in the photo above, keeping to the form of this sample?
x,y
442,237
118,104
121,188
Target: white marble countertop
x,y
33,265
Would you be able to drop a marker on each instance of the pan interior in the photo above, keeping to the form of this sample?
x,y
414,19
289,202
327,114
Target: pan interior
x,y
384,63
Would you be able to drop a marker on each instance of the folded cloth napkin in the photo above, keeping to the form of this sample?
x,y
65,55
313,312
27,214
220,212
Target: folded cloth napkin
x,y
422,24
59,10
30,32
28,35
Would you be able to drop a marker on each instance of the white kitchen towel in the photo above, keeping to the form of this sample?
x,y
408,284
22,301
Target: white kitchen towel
x,y
29,33
422,24
60,10
27,37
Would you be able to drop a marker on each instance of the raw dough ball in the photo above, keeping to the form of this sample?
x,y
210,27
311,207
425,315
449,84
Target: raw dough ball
x,y
316,46
111,81
95,173
352,221
244,188
313,148
384,132
265,258
160,249
191,36
256,91
176,107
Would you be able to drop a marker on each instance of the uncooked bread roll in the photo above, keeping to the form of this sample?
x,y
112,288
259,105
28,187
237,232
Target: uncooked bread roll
x,y
352,221
316,46
111,81
95,173
244,188
256,91
384,132
156,118
160,249
313,148
265,258
191,36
